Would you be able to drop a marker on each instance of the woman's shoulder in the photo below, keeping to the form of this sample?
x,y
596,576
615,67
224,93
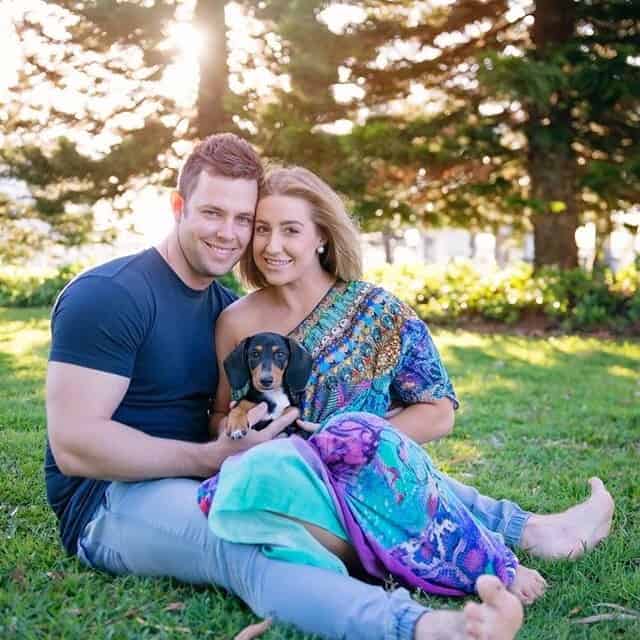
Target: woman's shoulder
x,y
382,299
241,312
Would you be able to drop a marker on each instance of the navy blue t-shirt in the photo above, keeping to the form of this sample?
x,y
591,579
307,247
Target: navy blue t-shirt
x,y
136,318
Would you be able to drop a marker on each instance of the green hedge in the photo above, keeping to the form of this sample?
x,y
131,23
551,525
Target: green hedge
x,y
569,300
458,293
22,288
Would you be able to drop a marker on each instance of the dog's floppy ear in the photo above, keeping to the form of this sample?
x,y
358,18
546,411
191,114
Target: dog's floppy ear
x,y
298,368
235,365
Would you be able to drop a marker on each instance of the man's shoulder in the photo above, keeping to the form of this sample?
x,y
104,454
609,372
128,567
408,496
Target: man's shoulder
x,y
126,272
117,284
103,316
122,269
225,295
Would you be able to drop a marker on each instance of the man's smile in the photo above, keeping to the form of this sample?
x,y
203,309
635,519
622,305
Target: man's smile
x,y
219,249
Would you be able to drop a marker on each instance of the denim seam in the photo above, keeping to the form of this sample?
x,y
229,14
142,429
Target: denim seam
x,y
515,527
405,620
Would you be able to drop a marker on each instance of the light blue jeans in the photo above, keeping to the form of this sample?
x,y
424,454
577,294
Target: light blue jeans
x,y
501,516
155,528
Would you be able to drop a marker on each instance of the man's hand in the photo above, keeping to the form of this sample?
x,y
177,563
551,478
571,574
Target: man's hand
x,y
253,437
217,451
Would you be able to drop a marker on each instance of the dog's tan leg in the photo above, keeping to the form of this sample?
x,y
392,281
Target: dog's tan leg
x,y
238,420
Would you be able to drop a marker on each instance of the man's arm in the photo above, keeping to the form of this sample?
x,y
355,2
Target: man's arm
x,y
86,442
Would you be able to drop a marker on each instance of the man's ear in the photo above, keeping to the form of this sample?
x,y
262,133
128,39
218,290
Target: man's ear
x,y
298,368
236,368
177,205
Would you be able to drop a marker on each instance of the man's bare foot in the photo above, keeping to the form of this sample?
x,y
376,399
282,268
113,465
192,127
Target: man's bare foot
x,y
497,617
570,533
528,585
441,625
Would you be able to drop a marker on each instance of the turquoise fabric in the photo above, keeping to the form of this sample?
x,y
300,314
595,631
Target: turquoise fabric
x,y
251,494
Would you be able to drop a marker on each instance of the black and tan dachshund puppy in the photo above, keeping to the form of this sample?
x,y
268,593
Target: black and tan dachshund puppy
x,y
266,367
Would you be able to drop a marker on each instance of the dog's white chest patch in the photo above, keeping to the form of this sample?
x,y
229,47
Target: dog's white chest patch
x,y
281,400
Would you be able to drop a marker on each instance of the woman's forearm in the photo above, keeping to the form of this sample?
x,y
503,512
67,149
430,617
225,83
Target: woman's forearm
x,y
425,422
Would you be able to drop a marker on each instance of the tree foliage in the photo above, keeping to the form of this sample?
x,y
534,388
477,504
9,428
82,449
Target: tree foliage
x,y
88,117
477,114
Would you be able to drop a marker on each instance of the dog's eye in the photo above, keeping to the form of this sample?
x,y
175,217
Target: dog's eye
x,y
254,354
280,356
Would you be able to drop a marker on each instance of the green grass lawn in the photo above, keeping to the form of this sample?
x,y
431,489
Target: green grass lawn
x,y
538,417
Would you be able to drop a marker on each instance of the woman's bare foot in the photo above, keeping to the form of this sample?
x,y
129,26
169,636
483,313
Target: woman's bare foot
x,y
528,585
570,533
497,617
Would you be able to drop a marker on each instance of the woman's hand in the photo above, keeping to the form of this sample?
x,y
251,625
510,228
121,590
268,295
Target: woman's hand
x,y
309,427
393,411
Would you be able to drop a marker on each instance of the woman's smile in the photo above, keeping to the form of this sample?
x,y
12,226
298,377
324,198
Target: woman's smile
x,y
277,262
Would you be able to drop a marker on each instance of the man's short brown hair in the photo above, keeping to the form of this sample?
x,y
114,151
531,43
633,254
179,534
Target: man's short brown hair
x,y
221,154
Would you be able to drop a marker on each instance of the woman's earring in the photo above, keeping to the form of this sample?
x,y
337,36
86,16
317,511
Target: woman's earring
x,y
321,249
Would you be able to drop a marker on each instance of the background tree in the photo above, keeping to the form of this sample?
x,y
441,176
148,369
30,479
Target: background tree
x,y
476,114
90,117
85,118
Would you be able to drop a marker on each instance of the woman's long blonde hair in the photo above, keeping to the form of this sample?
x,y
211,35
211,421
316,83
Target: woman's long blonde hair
x,y
342,255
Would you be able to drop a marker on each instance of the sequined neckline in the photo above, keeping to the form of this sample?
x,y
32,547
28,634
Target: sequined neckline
x,y
337,289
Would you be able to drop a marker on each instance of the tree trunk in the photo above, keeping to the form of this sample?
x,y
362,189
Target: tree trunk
x,y
387,243
473,245
214,71
551,160
500,249
553,186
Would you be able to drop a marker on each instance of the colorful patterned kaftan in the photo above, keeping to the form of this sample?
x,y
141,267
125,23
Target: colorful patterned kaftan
x,y
369,351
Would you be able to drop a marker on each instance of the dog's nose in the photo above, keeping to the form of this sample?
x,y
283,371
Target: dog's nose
x,y
266,381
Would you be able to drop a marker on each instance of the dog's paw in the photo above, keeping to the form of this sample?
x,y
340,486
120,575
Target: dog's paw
x,y
237,424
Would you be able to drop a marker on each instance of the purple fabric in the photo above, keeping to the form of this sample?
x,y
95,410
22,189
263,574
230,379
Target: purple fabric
x,y
434,544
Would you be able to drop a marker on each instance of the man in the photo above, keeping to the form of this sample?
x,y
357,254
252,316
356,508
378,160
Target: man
x,y
131,370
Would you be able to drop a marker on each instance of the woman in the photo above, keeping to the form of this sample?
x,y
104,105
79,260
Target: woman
x,y
361,479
